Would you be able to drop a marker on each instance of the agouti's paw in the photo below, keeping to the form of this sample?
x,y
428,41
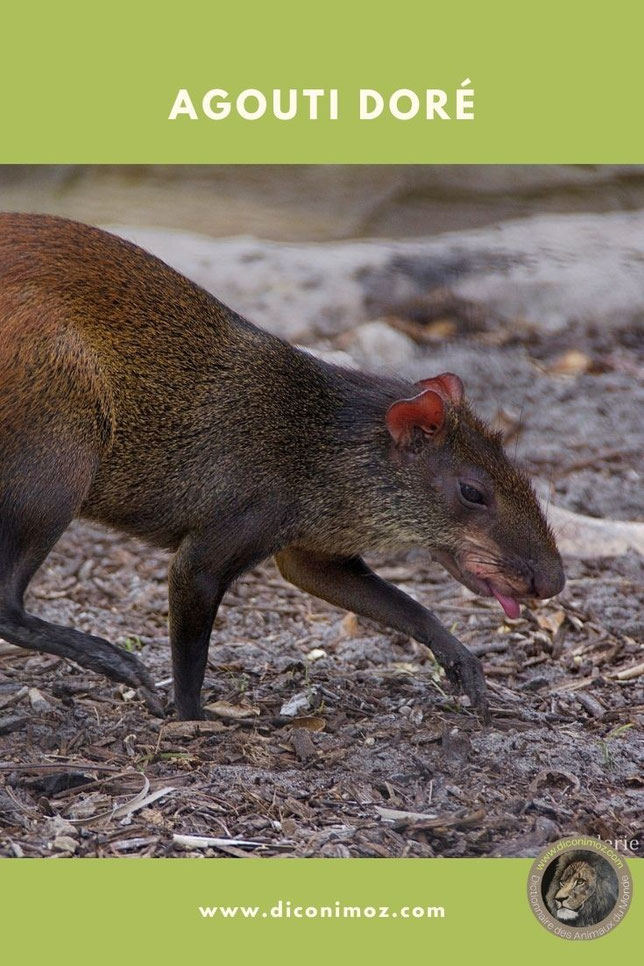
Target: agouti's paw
x,y
465,672
152,702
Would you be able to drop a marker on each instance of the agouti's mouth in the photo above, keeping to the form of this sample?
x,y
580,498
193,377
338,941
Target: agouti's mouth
x,y
485,588
479,585
510,605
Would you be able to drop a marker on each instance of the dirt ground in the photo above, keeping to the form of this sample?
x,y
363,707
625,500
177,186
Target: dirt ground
x,y
327,735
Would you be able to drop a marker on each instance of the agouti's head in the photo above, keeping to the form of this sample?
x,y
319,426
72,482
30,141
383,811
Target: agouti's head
x,y
483,522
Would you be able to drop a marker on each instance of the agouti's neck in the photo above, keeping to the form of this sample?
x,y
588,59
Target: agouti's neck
x,y
350,466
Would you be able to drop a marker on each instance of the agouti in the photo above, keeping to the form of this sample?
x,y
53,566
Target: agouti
x,y
132,397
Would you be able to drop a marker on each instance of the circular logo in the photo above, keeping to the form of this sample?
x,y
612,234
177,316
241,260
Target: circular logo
x,y
579,888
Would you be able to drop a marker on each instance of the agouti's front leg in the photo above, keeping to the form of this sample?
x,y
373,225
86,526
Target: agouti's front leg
x,y
348,582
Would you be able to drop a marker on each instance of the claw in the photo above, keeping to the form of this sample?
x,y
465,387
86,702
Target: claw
x,y
468,679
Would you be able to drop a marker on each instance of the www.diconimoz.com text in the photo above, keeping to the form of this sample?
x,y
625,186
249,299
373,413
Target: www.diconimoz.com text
x,y
284,909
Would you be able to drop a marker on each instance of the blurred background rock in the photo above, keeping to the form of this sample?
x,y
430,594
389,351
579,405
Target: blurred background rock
x,y
319,202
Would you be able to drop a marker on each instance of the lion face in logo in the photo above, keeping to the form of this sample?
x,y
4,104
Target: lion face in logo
x,y
576,886
583,890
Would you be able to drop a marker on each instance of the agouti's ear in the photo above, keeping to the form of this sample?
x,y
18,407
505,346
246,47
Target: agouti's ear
x,y
448,386
425,412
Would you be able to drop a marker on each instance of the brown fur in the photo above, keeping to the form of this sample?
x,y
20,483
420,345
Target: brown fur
x,y
132,397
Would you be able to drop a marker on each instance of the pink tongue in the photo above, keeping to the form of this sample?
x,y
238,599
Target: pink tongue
x,y
509,604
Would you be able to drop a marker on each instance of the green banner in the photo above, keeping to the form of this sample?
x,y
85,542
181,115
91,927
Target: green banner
x,y
330,911
356,82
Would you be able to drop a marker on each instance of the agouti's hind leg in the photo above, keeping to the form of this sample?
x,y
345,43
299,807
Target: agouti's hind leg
x,y
32,518
200,573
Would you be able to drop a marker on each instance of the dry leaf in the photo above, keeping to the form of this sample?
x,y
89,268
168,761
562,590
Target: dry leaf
x,y
571,363
141,801
440,329
551,622
349,625
404,667
87,806
309,722
553,776
299,702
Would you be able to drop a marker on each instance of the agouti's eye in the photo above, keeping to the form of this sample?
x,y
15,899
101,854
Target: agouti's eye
x,y
470,495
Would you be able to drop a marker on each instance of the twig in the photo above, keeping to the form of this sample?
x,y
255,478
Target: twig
x,y
206,842
634,671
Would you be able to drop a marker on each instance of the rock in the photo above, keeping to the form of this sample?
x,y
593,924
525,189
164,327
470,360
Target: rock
x,y
376,345
64,843
38,702
588,537
548,270
59,826
335,356
307,202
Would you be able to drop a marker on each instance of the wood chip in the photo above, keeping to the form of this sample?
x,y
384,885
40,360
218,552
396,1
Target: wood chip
x,y
12,722
64,843
550,622
591,704
422,820
235,712
302,744
128,845
191,729
394,815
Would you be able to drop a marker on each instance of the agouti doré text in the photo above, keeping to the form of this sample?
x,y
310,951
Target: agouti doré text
x,y
132,397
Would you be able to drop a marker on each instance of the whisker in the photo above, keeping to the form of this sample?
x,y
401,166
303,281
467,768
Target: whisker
x,y
549,493
519,429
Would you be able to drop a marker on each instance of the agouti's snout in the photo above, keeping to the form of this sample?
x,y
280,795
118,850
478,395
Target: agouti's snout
x,y
549,580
